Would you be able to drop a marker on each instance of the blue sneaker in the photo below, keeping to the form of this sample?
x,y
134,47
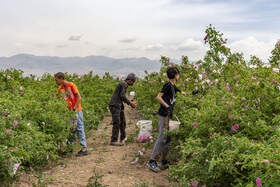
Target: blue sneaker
x,y
153,166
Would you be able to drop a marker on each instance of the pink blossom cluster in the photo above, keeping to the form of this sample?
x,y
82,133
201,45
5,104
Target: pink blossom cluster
x,y
235,127
143,138
16,166
135,161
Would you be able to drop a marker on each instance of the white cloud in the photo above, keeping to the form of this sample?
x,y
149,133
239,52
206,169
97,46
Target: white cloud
x,y
128,40
75,37
18,45
190,45
154,47
61,46
251,46
160,27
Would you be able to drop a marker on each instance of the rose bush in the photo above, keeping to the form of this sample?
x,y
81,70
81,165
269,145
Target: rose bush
x,y
229,133
34,128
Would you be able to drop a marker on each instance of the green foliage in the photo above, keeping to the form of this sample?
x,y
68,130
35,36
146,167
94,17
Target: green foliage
x,y
96,180
34,127
236,139
229,133
275,55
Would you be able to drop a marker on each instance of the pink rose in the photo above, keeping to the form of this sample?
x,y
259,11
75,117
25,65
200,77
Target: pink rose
x,y
16,166
267,161
258,181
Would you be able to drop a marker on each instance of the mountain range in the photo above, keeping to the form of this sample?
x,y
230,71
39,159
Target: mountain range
x,y
38,65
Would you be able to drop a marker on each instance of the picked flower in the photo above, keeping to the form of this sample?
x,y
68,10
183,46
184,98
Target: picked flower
x,y
135,161
140,153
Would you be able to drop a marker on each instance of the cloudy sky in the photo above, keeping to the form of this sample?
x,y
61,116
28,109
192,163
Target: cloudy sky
x,y
136,28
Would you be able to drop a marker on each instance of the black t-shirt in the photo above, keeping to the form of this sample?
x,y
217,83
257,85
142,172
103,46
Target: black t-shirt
x,y
169,96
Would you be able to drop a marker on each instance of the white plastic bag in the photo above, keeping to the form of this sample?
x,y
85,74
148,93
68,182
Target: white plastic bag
x,y
145,130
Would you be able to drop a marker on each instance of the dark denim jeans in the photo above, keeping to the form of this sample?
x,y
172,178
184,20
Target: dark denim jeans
x,y
119,123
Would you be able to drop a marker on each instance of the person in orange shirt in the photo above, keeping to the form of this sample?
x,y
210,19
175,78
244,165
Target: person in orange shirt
x,y
71,94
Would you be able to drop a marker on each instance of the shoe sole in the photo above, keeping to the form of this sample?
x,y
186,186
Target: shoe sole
x,y
81,155
117,144
157,171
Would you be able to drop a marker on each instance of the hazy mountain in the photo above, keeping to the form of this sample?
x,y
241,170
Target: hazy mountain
x,y
38,65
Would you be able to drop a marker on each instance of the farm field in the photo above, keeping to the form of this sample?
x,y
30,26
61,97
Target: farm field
x,y
229,132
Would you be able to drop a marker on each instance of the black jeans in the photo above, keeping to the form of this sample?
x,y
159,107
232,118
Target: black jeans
x,y
119,123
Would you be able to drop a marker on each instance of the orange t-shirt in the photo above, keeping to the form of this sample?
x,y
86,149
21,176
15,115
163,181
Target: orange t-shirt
x,y
68,93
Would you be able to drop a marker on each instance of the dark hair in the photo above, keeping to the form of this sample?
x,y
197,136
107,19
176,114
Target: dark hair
x,y
172,71
59,75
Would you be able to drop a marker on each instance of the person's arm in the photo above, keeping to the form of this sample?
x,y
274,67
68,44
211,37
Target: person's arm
x,y
124,99
161,101
183,93
79,99
122,94
56,94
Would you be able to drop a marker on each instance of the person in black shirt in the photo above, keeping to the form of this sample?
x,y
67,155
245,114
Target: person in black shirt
x,y
166,98
116,108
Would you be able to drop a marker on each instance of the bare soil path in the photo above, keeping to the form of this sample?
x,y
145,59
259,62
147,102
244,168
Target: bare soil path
x,y
113,163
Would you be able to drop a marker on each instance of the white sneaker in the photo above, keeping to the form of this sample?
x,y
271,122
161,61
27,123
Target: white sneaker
x,y
124,139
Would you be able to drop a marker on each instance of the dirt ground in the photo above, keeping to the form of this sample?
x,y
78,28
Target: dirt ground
x,y
105,164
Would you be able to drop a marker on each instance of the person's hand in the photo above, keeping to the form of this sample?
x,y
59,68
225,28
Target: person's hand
x,y
168,111
75,110
195,92
184,93
132,104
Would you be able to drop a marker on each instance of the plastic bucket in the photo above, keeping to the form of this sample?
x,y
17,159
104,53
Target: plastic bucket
x,y
174,125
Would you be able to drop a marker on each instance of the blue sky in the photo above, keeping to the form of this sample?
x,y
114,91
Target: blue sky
x,y
136,28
